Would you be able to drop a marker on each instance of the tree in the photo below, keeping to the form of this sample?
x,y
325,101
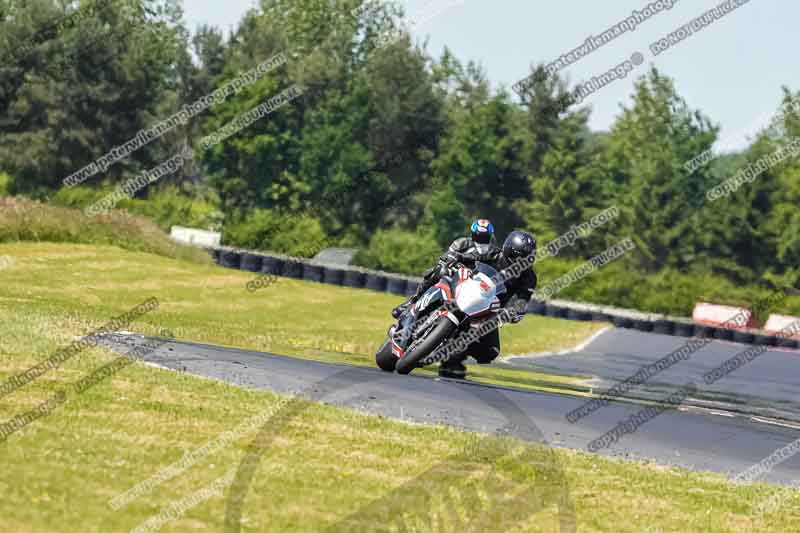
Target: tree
x,y
357,145
567,186
483,160
661,202
779,225
85,86
199,78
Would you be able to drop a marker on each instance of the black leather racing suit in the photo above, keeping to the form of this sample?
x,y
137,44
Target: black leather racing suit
x,y
462,248
518,290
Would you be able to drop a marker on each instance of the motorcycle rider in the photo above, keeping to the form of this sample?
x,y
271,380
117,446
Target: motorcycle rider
x,y
480,247
519,246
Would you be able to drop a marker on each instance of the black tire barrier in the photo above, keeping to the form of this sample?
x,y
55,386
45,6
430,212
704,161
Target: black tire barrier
x,y
764,340
555,311
599,316
579,314
332,276
683,329
292,269
788,343
411,287
664,327
354,279
396,285
251,262
704,332
761,340
622,322
537,308
313,272
743,337
272,265
230,259
375,282
723,334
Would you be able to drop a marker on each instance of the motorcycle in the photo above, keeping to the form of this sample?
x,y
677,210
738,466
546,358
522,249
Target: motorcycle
x,y
462,302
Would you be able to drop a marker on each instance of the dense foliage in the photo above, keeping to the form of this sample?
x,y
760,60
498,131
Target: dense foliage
x,y
388,149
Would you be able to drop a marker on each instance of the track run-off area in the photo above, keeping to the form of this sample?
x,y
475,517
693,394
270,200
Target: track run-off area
x,y
694,436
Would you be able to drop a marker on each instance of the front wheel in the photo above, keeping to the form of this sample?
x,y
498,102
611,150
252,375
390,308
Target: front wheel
x,y
440,332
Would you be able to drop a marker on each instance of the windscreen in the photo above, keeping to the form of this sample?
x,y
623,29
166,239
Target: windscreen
x,y
483,268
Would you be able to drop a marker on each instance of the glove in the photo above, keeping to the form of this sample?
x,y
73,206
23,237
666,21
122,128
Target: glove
x,y
516,312
446,262
515,318
450,258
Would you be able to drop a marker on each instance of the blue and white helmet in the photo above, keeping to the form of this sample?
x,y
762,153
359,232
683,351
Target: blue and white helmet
x,y
482,234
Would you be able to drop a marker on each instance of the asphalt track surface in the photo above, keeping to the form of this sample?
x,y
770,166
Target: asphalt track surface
x,y
689,438
767,386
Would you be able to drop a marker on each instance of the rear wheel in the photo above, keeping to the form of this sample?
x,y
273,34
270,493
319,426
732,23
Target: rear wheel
x,y
440,332
385,358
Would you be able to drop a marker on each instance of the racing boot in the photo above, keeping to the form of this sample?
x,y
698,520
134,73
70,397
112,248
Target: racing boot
x,y
453,368
398,311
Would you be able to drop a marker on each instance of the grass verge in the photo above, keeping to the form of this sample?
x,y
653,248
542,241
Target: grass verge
x,y
24,220
289,317
60,472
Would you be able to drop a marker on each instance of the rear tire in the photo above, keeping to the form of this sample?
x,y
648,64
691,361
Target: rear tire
x,y
385,358
443,329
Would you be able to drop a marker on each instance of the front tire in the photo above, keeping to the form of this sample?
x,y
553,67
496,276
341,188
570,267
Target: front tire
x,y
441,331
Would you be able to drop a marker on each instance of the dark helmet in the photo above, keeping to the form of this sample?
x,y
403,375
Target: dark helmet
x,y
482,234
519,244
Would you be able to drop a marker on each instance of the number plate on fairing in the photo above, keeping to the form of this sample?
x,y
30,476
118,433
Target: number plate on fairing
x,y
475,295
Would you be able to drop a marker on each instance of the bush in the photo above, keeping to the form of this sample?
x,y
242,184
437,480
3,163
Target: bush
x,y
77,197
5,181
167,207
616,284
298,235
400,251
669,291
28,220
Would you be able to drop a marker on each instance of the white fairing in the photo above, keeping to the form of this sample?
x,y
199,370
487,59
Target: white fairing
x,y
475,295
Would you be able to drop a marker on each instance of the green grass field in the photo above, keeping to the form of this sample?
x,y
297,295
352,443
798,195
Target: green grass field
x,y
322,463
